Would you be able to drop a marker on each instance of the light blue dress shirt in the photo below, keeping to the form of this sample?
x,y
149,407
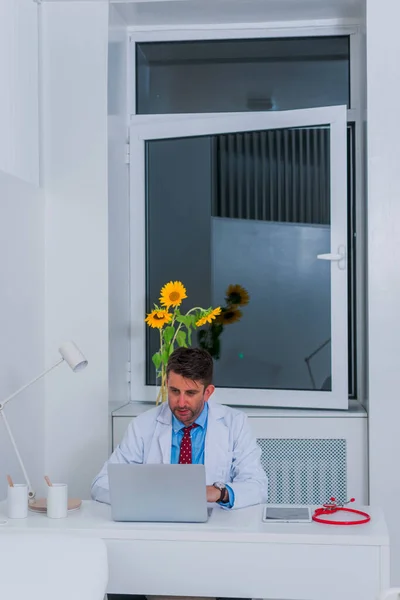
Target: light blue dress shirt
x,y
198,438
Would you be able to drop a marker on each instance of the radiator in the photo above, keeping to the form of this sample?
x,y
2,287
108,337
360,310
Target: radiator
x,y
304,471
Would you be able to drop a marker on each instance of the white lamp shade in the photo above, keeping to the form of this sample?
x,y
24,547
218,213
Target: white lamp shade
x,y
73,356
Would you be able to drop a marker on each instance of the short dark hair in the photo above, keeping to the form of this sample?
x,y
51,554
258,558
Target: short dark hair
x,y
192,363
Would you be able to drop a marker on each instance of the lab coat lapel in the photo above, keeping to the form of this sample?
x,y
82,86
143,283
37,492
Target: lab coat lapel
x,y
217,443
163,435
165,443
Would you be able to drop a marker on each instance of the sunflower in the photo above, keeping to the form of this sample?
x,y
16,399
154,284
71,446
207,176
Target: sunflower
x,y
158,318
208,316
236,294
230,315
172,294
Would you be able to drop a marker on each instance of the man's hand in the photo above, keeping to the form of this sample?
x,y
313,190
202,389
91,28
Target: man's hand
x,y
213,494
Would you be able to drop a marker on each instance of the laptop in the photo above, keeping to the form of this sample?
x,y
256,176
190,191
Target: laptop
x,y
158,493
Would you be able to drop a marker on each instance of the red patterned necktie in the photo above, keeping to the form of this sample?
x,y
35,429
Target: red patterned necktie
x,y
185,453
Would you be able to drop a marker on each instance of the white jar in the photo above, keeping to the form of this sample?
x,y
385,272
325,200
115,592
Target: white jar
x,y
57,501
17,501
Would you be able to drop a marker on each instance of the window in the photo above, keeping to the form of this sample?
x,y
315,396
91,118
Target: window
x,y
242,75
221,211
243,171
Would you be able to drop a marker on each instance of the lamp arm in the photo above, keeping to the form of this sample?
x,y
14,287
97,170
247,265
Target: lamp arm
x,y
31,492
7,400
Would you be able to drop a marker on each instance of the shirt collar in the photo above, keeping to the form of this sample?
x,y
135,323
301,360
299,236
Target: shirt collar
x,y
200,421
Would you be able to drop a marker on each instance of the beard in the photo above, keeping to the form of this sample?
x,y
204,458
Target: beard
x,y
187,415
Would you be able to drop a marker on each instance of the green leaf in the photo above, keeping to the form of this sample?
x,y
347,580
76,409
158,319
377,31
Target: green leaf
x,y
194,318
181,339
156,358
189,336
182,318
165,355
170,349
188,320
168,334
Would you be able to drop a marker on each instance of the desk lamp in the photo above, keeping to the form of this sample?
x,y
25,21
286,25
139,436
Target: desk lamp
x,y
74,358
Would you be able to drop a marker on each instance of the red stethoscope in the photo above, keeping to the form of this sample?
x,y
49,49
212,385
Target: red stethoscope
x,y
334,507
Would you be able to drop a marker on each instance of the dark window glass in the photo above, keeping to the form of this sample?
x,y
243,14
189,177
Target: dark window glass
x,y
251,209
242,75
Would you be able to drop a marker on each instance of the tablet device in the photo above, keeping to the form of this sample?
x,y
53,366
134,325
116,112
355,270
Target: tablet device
x,y
283,513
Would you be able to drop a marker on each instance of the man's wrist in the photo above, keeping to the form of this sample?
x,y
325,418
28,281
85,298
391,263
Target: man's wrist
x,y
224,498
224,495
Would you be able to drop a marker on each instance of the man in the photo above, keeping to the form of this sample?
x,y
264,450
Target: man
x,y
189,429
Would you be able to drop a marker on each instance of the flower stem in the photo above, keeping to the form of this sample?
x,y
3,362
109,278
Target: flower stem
x,y
176,333
194,308
180,324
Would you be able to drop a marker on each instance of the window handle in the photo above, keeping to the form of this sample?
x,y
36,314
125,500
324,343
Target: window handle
x,y
340,257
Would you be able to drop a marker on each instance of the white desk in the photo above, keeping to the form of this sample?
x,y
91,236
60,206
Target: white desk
x,y
233,555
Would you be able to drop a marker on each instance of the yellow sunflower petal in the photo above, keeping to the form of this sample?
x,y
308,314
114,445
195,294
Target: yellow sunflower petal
x,y
201,322
172,294
208,317
236,294
213,314
158,318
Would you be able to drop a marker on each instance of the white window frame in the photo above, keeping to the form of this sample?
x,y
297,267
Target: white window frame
x,y
261,31
192,125
355,29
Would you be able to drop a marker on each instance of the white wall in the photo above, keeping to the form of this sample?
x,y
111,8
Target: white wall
x,y
22,327
21,243
19,150
383,50
118,211
74,59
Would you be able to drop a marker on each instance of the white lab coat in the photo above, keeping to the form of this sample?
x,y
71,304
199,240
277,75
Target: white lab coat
x,y
231,452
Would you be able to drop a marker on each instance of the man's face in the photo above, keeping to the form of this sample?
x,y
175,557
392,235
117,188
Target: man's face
x,y
186,397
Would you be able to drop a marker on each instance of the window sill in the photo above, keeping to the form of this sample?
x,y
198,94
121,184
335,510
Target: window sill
x,y
355,410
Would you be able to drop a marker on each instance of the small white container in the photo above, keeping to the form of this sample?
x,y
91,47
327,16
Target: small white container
x,y
57,501
17,501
